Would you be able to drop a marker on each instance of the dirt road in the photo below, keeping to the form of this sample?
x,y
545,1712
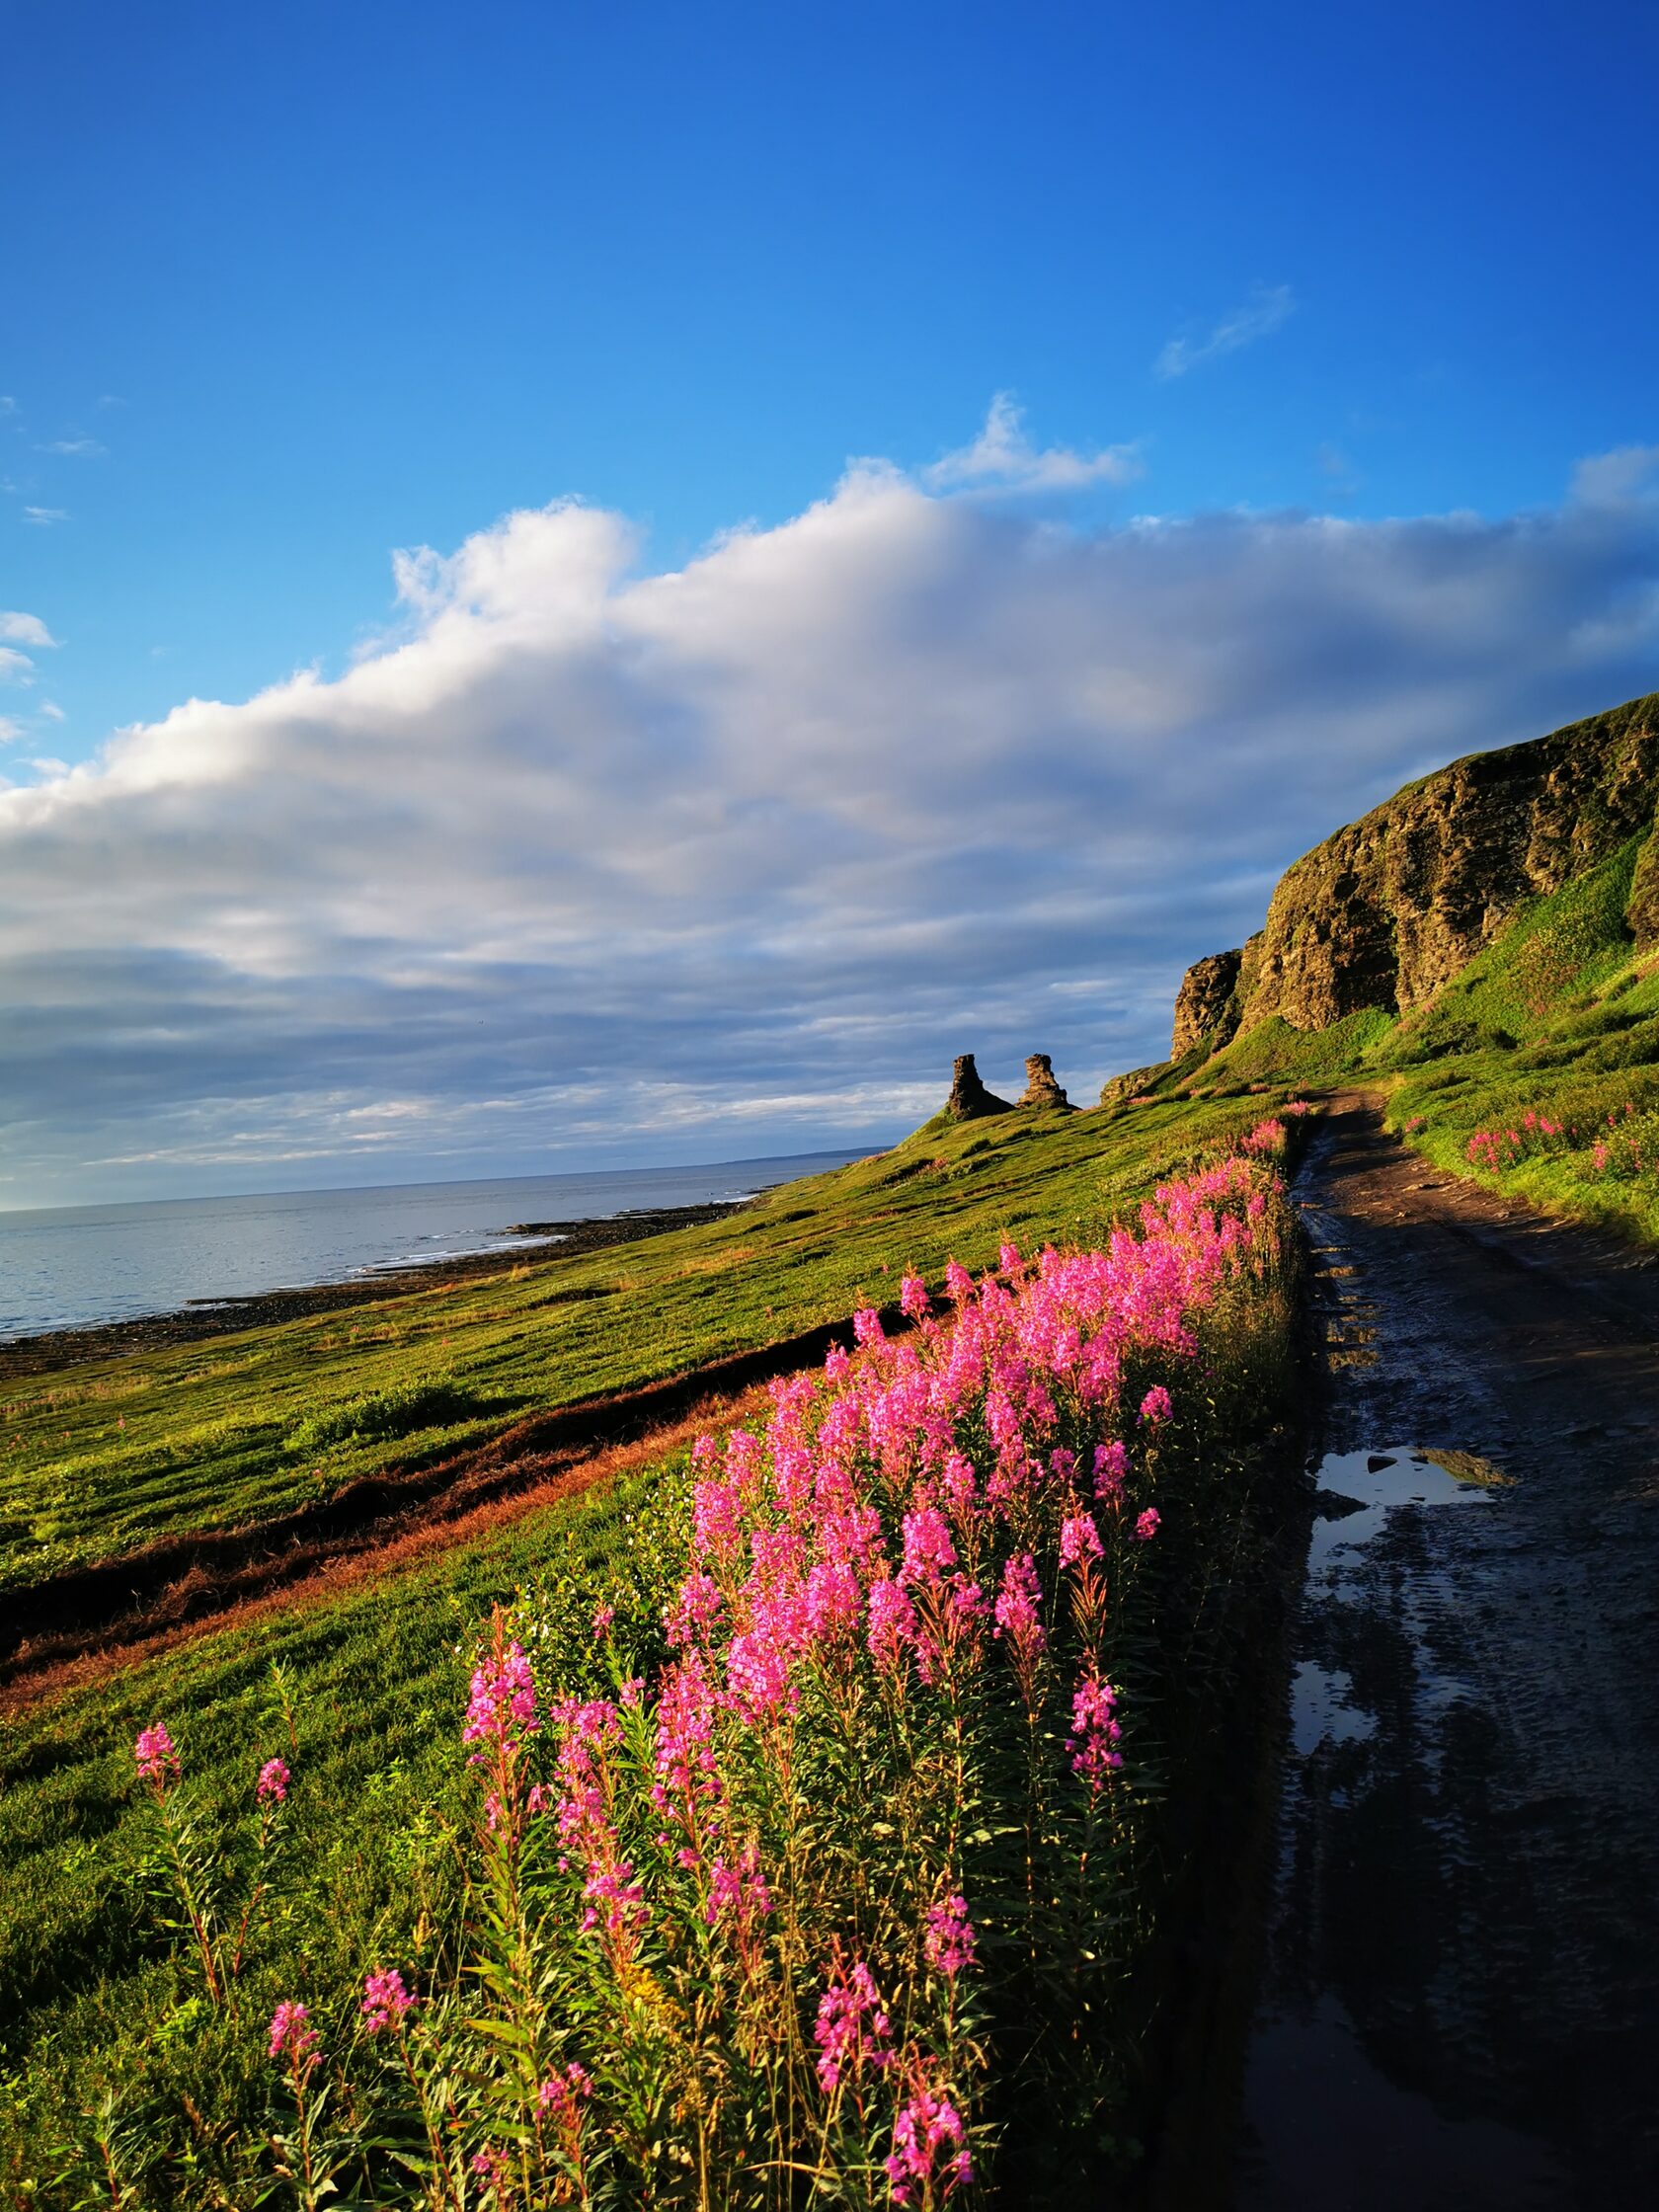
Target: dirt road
x,y
1460,2000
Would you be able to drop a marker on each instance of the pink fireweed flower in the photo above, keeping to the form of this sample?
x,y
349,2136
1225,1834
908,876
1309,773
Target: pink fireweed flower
x,y
739,1891
292,2037
853,2030
273,1785
760,1664
158,1761
928,1551
838,1364
867,1329
688,1769
1080,1539
603,1617
1095,1732
1266,1137
1156,1406
959,1283
696,1609
562,2094
385,2001
716,1520
927,2148
961,1484
491,2168
1111,1465
835,1598
502,1702
948,1938
913,1300
1016,1606
892,1623
967,1601
616,1901
1008,1261
1147,1525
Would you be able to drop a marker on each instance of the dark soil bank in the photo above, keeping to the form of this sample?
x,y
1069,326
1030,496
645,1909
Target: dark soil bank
x,y
1460,1998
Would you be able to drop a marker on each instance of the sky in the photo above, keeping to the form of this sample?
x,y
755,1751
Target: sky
x,y
587,584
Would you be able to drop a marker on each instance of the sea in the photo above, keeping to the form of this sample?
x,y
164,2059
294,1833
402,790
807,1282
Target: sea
x,y
71,1266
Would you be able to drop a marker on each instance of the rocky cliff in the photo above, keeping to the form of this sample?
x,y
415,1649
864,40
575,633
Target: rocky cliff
x,y
1392,907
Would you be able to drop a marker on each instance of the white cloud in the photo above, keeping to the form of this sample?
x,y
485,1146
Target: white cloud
x,y
52,711
1630,472
585,854
87,448
1002,458
44,516
1268,309
25,629
10,731
15,667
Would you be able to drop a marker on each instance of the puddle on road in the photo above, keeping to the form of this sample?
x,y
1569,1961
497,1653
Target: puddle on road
x,y
1336,2116
1357,1490
1323,1710
1357,1493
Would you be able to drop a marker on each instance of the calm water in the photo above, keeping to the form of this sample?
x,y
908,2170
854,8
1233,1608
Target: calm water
x,y
62,1267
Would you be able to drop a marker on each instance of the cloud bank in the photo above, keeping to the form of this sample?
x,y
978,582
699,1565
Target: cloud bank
x,y
733,859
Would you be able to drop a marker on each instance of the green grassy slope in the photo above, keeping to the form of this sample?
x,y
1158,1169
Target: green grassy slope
x,y
92,1985
102,1458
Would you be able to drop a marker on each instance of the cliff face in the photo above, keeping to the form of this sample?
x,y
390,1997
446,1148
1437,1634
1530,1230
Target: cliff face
x,y
1392,907
1206,1002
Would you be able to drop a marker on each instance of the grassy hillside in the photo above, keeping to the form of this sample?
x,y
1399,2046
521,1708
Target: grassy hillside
x,y
361,1691
109,1457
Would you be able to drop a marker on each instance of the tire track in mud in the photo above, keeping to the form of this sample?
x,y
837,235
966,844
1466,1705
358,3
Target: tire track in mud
x,y
1459,2008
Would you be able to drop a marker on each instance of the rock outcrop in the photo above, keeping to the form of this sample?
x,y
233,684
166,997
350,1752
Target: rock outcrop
x,y
969,1100
1206,1002
1041,1089
1388,910
1135,1082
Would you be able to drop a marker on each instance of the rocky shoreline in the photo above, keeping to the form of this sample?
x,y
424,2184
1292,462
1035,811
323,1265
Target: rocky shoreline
x,y
54,1349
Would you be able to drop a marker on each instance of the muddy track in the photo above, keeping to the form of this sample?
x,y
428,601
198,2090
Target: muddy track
x,y
1459,2008
137,1600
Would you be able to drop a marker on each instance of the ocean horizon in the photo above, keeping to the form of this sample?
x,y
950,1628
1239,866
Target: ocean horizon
x,y
65,1267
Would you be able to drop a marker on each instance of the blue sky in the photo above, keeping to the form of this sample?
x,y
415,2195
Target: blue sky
x,y
291,290
368,276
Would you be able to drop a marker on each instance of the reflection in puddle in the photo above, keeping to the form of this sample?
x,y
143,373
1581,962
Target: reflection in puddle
x,y
1332,2119
1321,1712
1357,1490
